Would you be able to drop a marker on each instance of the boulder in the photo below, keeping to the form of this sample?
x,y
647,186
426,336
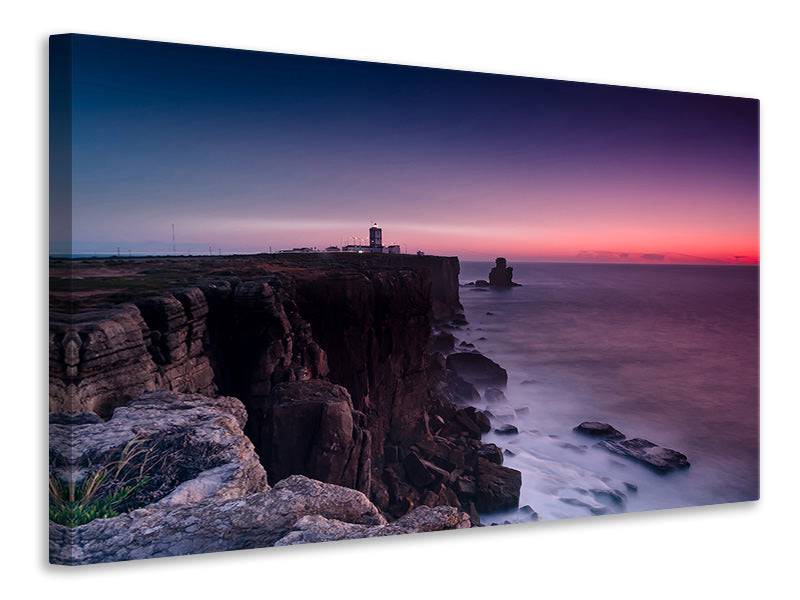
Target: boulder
x,y
506,429
646,452
596,429
477,369
492,453
459,389
497,487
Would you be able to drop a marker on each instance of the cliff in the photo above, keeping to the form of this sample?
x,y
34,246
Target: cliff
x,y
330,355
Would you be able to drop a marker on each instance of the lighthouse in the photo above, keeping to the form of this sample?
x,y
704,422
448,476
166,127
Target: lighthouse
x,y
375,238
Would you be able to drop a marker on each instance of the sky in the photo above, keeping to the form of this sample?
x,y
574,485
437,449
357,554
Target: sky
x,y
243,151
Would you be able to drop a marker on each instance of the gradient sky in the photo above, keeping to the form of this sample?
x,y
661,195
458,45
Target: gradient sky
x,y
245,150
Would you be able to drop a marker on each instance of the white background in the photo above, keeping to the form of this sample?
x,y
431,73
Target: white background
x,y
735,48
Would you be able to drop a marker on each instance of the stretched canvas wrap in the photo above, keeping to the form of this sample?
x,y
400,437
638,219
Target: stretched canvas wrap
x,y
296,299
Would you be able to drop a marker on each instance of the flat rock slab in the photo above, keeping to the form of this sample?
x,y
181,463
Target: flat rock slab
x,y
646,452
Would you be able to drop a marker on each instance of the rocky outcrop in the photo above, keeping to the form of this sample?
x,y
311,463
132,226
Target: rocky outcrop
x,y
501,275
643,451
190,447
649,454
208,493
477,369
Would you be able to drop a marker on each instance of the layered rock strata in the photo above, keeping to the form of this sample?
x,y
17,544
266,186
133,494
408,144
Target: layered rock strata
x,y
330,355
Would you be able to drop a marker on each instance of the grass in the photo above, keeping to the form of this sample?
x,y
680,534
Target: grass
x,y
109,490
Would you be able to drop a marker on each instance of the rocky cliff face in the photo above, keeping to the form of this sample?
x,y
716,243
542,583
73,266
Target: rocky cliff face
x,y
330,355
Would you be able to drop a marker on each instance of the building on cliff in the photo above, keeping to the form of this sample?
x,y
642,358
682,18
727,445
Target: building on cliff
x,y
375,244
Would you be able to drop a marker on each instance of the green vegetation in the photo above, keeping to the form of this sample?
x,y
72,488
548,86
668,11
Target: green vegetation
x,y
109,490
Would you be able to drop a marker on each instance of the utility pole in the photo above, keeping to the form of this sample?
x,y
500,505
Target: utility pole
x,y
173,238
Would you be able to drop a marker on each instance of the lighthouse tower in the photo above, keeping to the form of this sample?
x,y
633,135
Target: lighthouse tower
x,y
375,238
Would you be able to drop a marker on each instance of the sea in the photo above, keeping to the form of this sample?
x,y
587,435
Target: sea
x,y
669,353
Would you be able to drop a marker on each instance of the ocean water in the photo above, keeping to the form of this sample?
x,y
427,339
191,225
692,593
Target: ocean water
x,y
668,353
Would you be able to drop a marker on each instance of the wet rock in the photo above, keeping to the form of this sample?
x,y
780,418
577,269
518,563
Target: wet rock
x,y
646,452
508,452
524,410
531,514
492,453
596,429
498,487
506,429
529,382
489,313
466,345
493,395
477,369
481,283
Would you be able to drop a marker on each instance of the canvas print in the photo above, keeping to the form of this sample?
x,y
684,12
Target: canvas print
x,y
296,299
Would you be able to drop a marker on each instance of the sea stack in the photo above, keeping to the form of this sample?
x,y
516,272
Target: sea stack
x,y
501,275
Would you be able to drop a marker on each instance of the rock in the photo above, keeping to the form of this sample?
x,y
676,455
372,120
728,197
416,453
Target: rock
x,y
466,345
442,341
312,429
492,453
422,473
599,430
523,410
646,452
477,369
251,521
196,441
494,395
473,421
527,510
501,275
460,389
459,320
489,313
315,528
506,429
508,452
481,283
529,382
498,487
89,418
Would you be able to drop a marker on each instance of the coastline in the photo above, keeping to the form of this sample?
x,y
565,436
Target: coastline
x,y
334,350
